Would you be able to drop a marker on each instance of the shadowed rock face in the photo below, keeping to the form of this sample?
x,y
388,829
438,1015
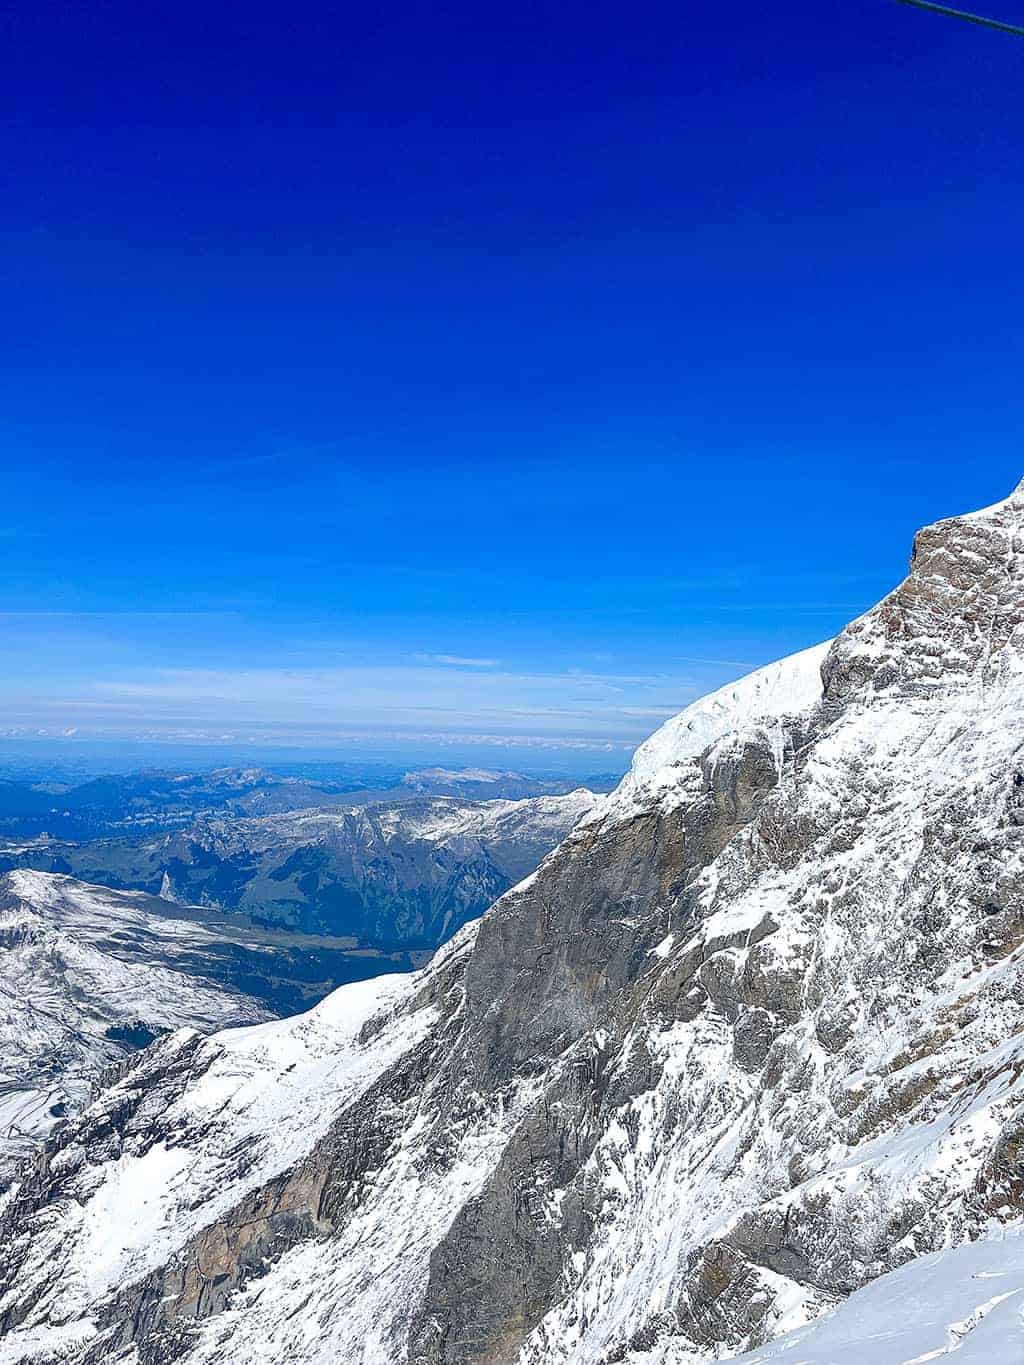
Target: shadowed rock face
x,y
569,961
751,1037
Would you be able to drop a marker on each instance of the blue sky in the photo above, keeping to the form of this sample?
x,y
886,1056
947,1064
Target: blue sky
x,y
491,378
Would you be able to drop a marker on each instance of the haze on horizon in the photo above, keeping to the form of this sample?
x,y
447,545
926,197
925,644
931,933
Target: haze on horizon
x,y
416,382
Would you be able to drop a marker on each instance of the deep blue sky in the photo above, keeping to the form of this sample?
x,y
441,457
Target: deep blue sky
x,y
614,349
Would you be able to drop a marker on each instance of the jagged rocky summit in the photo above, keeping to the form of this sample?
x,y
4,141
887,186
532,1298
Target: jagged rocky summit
x,y
747,1044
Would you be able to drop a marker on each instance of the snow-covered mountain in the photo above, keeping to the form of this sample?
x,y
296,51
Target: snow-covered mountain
x,y
746,1053
86,975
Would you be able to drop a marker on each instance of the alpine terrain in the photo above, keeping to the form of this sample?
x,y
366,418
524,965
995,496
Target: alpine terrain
x,y
738,1069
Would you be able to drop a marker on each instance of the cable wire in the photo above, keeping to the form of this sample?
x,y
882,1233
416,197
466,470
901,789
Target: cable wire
x,y
963,14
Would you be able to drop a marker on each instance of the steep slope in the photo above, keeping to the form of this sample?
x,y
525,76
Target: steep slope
x,y
396,875
749,1039
88,975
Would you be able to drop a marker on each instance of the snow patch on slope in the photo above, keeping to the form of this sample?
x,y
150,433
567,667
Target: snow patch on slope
x,y
68,989
967,1301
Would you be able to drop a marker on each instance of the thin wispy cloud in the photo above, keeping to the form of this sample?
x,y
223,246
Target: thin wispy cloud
x,y
299,451
449,693
723,663
457,661
315,739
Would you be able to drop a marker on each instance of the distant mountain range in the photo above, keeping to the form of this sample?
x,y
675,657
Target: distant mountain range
x,y
483,784
394,876
154,800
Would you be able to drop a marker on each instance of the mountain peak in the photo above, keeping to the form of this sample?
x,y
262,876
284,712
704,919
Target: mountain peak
x,y
956,620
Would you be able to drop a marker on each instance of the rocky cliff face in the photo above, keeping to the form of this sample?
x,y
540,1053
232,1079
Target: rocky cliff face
x,y
749,1039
